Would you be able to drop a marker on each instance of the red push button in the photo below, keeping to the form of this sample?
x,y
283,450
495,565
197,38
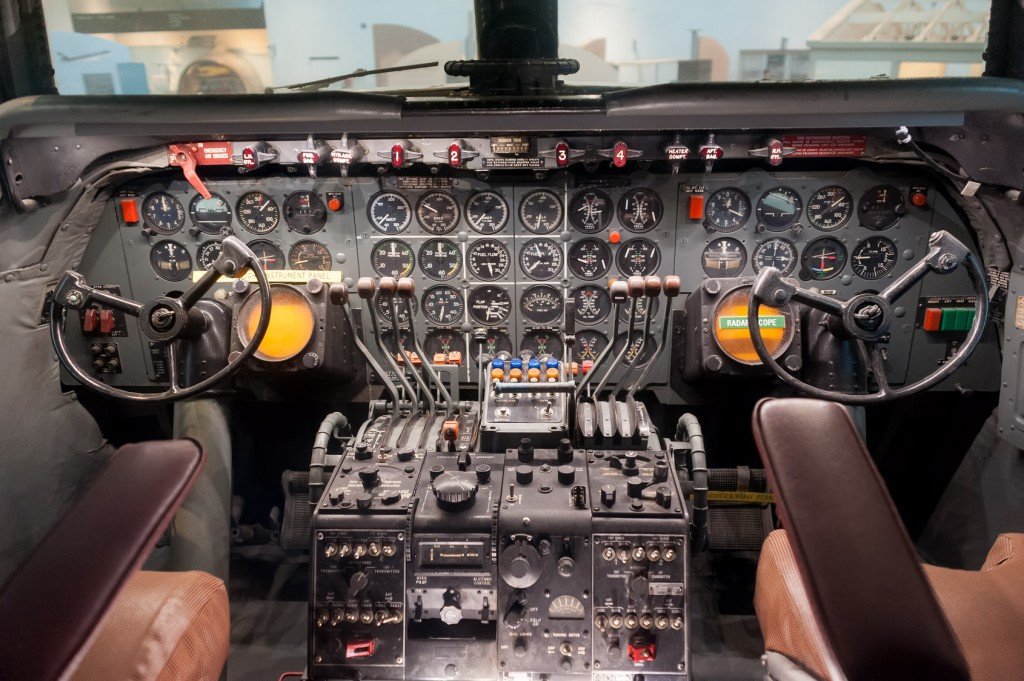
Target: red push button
x,y
919,199
129,211
641,652
334,203
356,649
932,319
696,206
614,238
106,321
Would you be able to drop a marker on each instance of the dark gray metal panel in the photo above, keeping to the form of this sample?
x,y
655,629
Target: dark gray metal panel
x,y
1011,397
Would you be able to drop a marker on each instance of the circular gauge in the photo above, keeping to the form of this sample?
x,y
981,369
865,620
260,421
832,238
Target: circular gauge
x,y
305,212
162,213
495,342
640,210
881,207
541,304
389,212
270,256
437,212
638,257
207,254
590,344
590,211
727,210
444,341
731,329
642,304
566,608
170,260
443,305
309,255
830,208
487,259
490,304
723,257
291,328
541,259
873,258
382,305
779,208
823,259
440,259
212,215
487,212
541,211
392,258
589,258
258,212
592,304
777,253
637,345
542,342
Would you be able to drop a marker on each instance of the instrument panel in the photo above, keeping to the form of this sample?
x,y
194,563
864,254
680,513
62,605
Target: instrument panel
x,y
506,254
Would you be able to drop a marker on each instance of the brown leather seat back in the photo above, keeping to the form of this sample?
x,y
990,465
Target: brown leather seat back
x,y
868,593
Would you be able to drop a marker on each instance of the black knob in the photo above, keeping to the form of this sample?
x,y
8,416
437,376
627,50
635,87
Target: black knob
x,y
520,565
405,454
519,649
629,466
565,450
638,588
524,474
608,495
483,473
364,502
661,471
663,495
635,487
454,492
525,450
370,476
392,497
566,566
357,583
566,475
566,664
363,452
436,470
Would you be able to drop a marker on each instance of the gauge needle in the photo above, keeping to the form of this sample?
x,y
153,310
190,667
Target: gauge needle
x,y
429,207
735,212
264,206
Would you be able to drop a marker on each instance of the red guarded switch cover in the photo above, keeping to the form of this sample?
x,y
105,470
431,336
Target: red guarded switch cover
x,y
696,207
641,652
107,321
359,648
932,319
129,211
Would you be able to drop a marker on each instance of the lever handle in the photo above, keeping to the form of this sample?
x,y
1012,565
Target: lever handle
x,y
388,286
652,287
338,294
618,291
406,287
636,286
671,286
366,287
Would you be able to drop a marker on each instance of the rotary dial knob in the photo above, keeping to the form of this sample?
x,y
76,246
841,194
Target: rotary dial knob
x,y
454,492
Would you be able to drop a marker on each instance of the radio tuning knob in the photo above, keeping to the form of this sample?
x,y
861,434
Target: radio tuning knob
x,y
565,450
635,487
525,451
370,476
453,493
519,649
483,473
524,474
566,475
608,495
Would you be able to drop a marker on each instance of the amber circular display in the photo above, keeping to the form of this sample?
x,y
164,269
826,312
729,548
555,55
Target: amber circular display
x,y
732,335
291,323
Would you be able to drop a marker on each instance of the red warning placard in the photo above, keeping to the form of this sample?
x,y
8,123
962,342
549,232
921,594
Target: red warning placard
x,y
209,153
825,145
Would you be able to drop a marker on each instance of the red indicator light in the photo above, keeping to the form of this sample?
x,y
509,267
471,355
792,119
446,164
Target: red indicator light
x,y
696,207
614,238
398,156
932,319
129,211
561,154
334,203
919,199
620,152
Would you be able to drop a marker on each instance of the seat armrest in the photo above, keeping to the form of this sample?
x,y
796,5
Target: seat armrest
x,y
871,600
53,604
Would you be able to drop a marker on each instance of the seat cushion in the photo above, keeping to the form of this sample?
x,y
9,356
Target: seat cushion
x,y
164,626
985,609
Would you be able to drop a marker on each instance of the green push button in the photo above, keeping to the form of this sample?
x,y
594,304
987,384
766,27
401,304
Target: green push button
x,y
964,318
948,319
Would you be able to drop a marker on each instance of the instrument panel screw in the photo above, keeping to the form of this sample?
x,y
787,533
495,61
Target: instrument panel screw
x,y
73,298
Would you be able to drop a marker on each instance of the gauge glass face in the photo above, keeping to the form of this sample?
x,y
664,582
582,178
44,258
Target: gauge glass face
x,y
830,208
589,258
731,331
723,257
487,212
270,256
589,344
881,207
566,608
392,258
638,257
645,348
488,259
542,342
389,212
208,254
163,213
437,212
496,342
291,328
642,304
777,253
873,258
590,211
541,259
443,305
383,306
490,304
305,212
640,210
440,259
541,211
823,259
541,304
170,260
444,341
592,304
309,255
727,209
212,215
258,212
779,208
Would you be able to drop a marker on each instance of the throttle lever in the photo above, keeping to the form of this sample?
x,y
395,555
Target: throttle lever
x,y
670,287
389,289
367,290
338,295
652,289
406,291
618,291
635,289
